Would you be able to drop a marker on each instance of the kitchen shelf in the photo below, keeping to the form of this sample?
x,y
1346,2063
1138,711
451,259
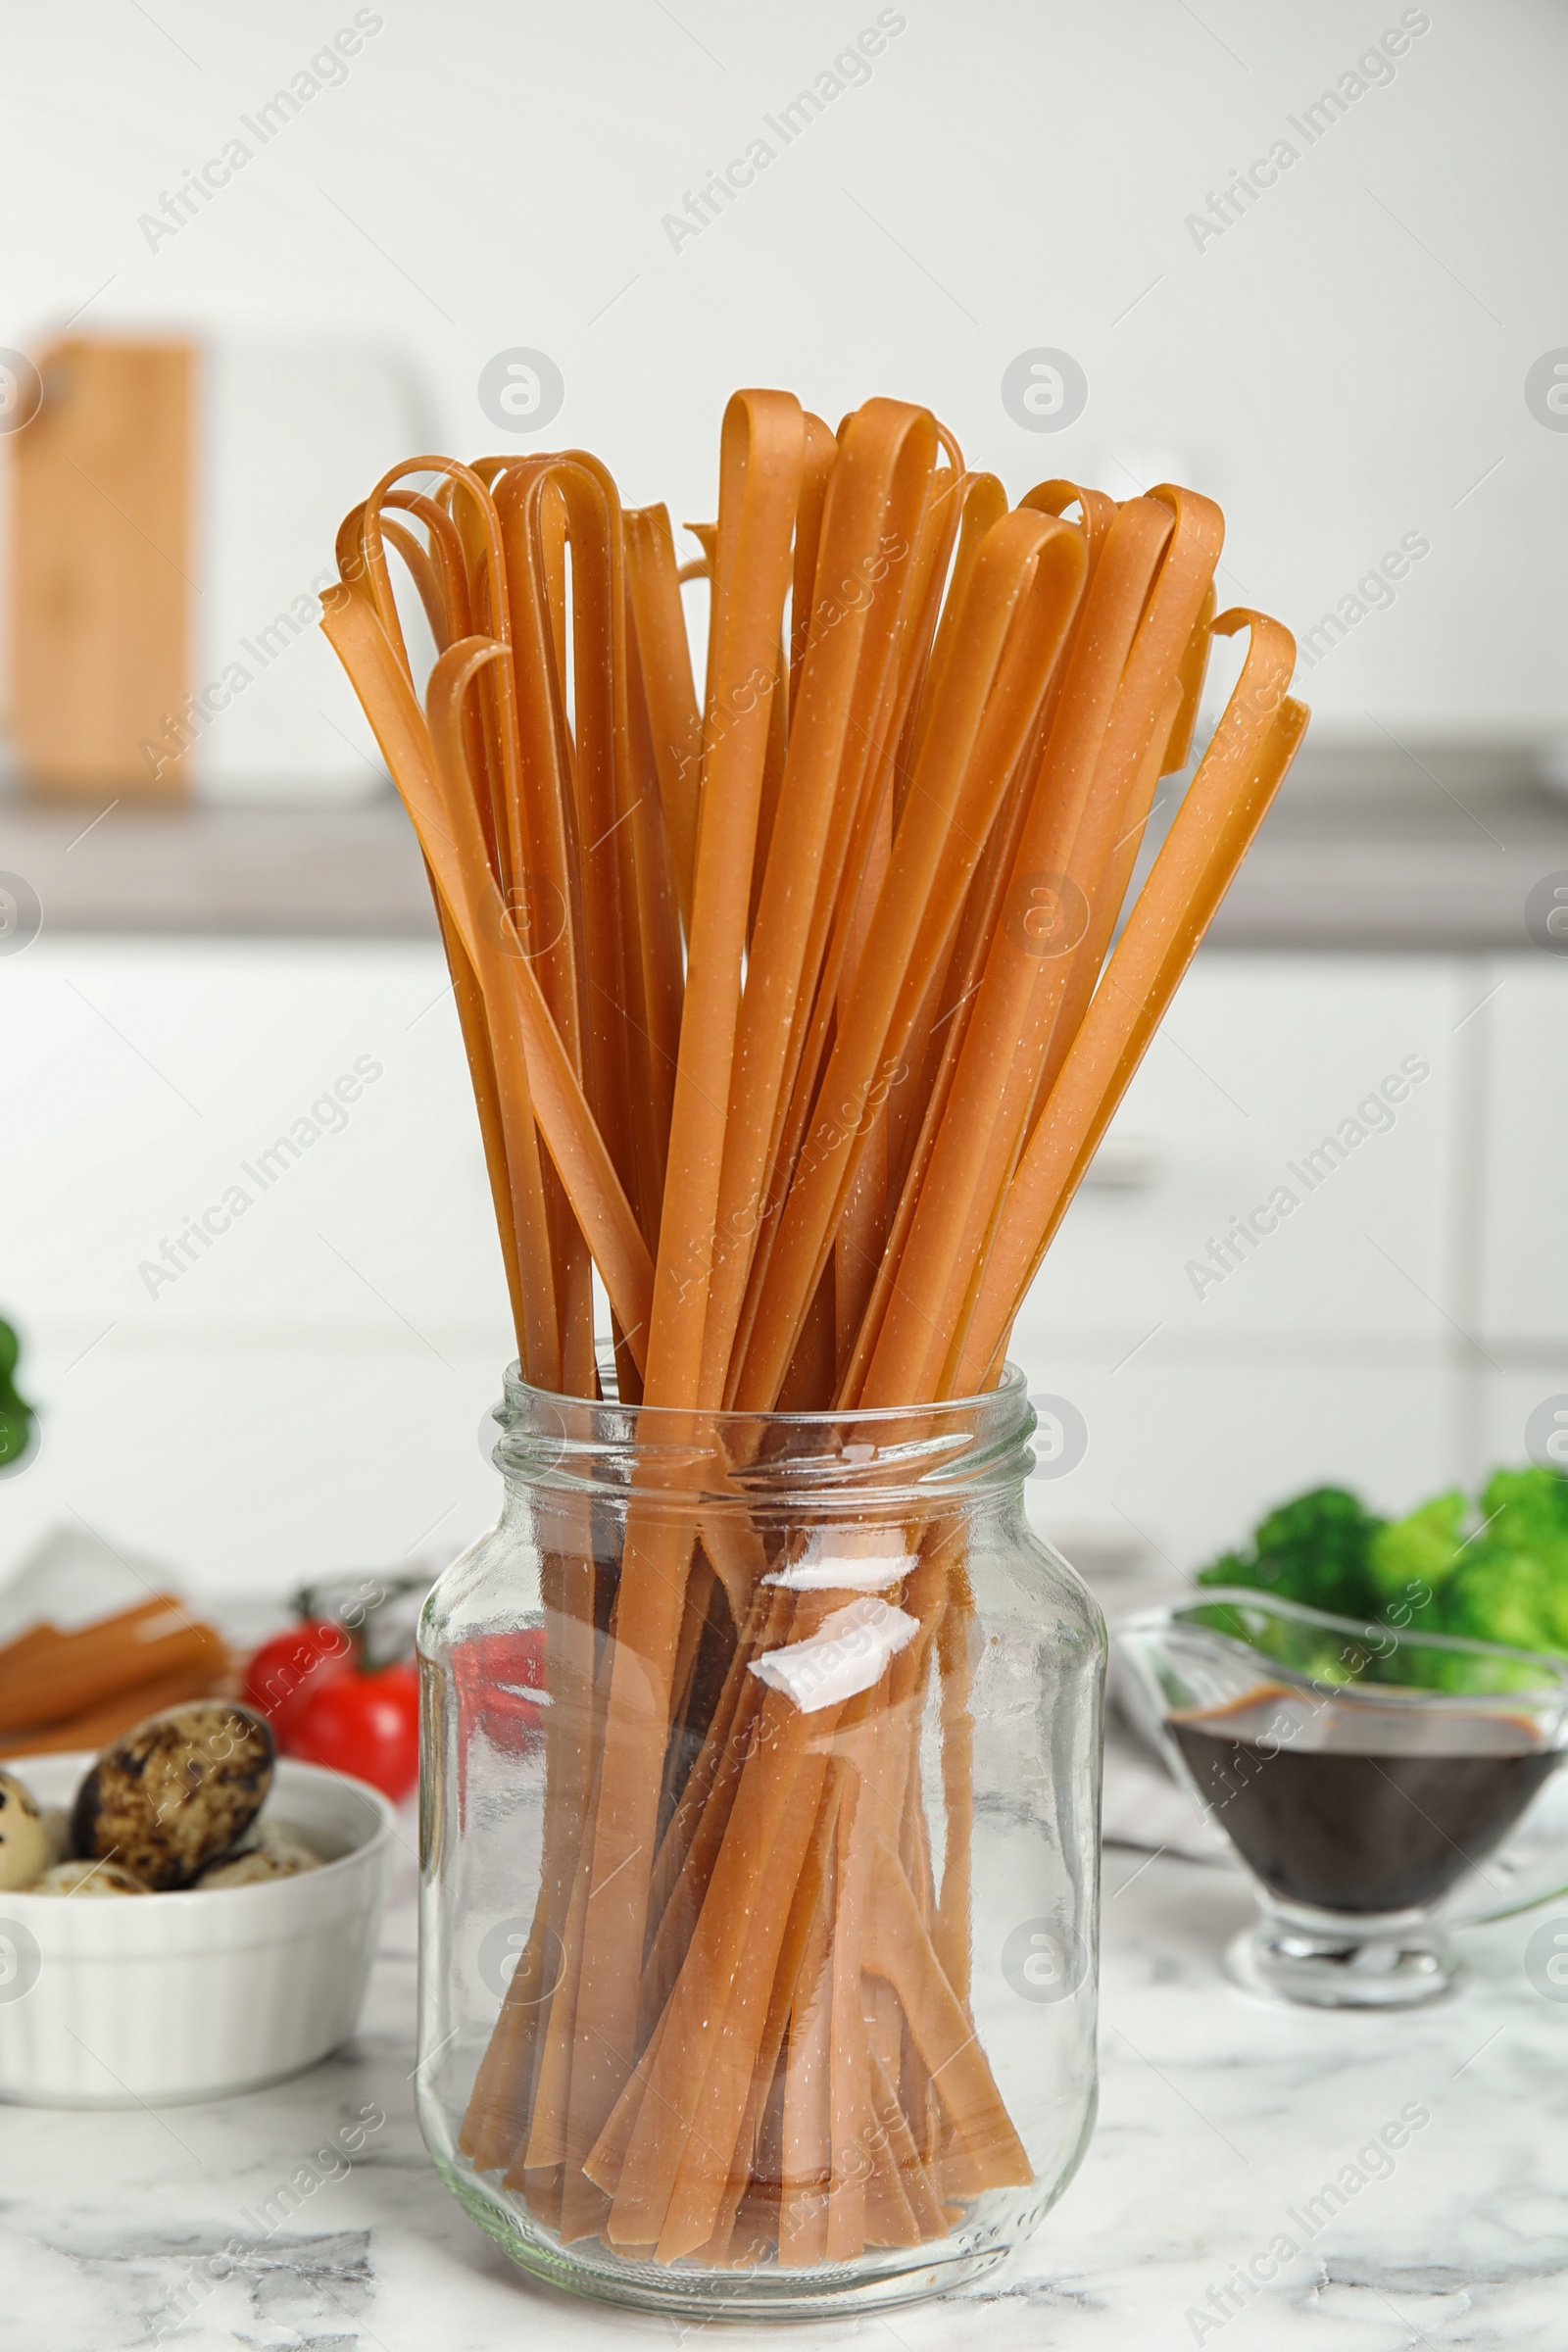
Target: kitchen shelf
x,y
349,872
1386,870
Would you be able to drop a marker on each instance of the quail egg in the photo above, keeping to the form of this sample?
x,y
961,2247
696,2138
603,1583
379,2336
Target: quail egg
x,y
175,1792
277,1854
24,1835
87,1878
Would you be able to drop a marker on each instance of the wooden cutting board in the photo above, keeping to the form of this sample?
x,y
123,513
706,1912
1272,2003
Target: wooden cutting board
x,y
103,569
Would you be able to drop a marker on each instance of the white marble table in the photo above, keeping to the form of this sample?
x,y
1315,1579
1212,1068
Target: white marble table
x,y
1220,2119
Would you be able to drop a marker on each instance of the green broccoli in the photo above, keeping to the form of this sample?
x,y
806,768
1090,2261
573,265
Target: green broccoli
x,y
1510,1583
1315,1551
16,1416
1496,1573
1524,1508
1412,1558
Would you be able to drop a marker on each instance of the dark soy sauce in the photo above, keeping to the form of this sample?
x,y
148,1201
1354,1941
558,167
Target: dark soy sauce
x,y
1355,1806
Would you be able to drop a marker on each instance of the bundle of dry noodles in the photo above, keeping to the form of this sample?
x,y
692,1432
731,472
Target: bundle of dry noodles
x,y
792,1011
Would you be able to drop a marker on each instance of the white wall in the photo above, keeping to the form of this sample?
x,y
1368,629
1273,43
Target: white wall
x,y
1340,366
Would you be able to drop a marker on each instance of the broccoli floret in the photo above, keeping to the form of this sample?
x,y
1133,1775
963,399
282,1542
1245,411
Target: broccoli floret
x,y
1526,1509
1412,1558
1230,1568
1315,1551
1511,1581
1498,1573
1509,1597
15,1414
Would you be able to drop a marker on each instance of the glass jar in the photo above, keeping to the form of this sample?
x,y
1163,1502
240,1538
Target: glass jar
x,y
760,1855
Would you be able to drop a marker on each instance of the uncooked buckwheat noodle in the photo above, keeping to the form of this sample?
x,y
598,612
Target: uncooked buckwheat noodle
x,y
793,1013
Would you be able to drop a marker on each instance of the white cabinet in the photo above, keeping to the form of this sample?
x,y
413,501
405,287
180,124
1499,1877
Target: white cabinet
x,y
252,1255
1186,1453
1521,1179
1296,1112
297,1385
272,1104
1522,1129
1410,1307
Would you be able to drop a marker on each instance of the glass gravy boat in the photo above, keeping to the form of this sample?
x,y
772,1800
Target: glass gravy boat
x,y
1360,1771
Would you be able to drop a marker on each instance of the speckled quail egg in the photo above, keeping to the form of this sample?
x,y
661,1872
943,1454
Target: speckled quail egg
x,y
269,1831
278,1856
24,1835
87,1878
175,1792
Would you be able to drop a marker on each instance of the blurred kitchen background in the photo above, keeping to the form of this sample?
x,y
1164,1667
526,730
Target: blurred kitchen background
x,y
255,257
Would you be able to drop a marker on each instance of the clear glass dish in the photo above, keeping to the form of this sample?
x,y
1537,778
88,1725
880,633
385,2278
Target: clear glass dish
x,y
759,1855
1362,1773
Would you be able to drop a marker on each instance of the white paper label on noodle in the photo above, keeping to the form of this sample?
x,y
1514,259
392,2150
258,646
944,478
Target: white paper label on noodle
x,y
847,1560
847,1654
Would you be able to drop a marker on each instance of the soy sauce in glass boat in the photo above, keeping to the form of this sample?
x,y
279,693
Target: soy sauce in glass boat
x,y
1360,1772
1361,1808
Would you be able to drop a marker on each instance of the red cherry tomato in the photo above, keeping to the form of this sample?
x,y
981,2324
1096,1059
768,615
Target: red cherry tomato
x,y
495,1674
288,1672
367,1725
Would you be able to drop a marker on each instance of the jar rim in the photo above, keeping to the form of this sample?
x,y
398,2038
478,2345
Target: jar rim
x,y
1011,1389
839,1460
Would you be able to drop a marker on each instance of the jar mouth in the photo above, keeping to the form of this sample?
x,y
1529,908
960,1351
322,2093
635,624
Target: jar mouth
x,y
887,1451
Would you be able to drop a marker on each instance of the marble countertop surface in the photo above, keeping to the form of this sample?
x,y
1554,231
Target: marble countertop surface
x,y
1221,2122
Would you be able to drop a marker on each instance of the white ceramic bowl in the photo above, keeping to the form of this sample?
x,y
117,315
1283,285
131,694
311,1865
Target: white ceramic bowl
x,y
122,2002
